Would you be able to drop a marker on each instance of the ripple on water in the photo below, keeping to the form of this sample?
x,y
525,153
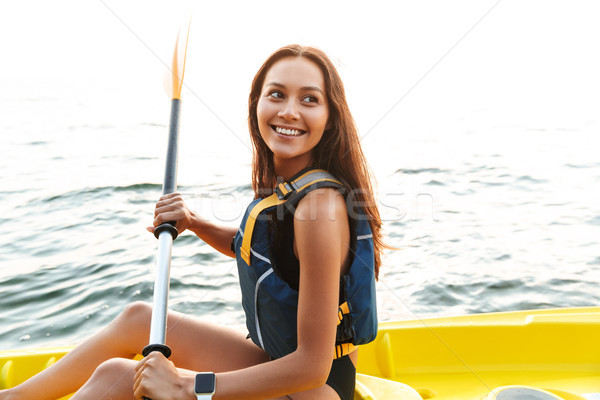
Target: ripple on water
x,y
595,261
594,220
425,170
443,294
489,294
90,193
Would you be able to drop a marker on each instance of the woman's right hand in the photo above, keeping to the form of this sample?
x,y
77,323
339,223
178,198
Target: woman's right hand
x,y
171,207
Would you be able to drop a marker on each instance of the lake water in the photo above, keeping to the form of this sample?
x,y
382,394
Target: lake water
x,y
483,140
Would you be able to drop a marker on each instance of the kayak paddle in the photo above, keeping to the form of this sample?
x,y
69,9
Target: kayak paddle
x,y
166,232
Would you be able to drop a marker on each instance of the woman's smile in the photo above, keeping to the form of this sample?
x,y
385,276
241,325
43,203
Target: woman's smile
x,y
288,131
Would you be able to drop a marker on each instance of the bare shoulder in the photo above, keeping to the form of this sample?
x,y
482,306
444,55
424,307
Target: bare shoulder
x,y
322,231
320,205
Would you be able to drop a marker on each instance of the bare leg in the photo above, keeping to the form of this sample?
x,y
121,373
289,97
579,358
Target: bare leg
x,y
114,378
118,339
196,345
104,357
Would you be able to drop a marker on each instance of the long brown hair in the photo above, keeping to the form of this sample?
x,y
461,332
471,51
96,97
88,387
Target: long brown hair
x,y
339,151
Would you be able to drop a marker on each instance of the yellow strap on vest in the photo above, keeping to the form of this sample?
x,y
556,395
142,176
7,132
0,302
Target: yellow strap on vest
x,y
274,200
343,349
343,309
267,202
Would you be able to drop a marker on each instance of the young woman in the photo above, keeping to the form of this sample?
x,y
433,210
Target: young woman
x,y
308,254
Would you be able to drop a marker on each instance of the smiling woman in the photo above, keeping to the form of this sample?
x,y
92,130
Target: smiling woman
x,y
313,304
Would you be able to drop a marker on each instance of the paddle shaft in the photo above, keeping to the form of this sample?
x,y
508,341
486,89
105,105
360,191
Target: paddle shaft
x,y
170,181
165,233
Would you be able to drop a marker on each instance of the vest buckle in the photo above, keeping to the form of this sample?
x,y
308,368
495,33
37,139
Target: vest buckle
x,y
284,190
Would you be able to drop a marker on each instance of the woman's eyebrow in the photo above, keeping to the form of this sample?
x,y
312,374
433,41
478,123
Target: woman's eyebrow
x,y
279,85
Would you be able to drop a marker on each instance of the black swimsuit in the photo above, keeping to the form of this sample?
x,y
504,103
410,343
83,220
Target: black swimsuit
x,y
342,377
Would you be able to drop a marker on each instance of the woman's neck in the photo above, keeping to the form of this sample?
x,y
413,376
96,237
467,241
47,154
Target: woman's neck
x,y
287,168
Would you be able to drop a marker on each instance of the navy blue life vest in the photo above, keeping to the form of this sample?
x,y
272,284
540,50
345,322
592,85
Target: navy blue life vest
x,y
271,305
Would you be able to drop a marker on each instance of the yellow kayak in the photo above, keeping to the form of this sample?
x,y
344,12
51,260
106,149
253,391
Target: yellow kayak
x,y
542,354
537,355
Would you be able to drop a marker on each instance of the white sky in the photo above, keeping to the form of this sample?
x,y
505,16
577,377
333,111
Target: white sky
x,y
536,60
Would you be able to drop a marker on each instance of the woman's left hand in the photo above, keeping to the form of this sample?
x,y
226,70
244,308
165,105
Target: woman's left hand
x,y
157,378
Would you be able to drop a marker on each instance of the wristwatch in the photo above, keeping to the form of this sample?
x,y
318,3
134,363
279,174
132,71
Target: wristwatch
x,y
205,385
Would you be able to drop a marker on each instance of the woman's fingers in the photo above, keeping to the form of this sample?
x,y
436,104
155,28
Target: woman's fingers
x,y
143,375
169,215
155,377
138,379
171,207
167,202
180,217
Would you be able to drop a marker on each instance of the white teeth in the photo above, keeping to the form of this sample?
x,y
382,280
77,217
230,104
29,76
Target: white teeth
x,y
289,132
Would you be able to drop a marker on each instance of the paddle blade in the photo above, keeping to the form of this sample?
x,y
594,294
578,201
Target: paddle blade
x,y
174,75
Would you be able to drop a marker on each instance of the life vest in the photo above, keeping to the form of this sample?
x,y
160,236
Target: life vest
x,y
271,305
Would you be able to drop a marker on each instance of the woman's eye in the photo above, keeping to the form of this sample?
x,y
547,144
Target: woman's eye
x,y
310,99
276,94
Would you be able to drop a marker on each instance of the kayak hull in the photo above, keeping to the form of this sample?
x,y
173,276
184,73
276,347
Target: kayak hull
x,y
468,357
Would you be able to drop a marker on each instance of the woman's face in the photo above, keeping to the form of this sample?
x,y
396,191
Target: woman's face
x,y
292,111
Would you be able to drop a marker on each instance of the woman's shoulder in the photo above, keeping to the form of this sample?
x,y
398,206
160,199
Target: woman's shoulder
x,y
322,204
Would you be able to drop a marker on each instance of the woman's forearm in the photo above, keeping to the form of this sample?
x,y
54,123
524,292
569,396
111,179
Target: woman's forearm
x,y
217,236
272,379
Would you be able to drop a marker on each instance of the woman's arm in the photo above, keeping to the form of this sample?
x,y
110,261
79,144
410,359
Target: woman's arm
x,y
322,243
322,238
171,207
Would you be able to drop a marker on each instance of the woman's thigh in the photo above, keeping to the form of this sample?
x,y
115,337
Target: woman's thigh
x,y
324,392
200,345
196,344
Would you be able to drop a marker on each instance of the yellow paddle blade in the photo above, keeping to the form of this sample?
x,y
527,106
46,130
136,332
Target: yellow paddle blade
x,y
174,76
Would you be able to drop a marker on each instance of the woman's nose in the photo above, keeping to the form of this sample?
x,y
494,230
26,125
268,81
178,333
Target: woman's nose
x,y
289,111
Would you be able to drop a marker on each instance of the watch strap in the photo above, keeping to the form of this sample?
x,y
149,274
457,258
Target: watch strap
x,y
204,397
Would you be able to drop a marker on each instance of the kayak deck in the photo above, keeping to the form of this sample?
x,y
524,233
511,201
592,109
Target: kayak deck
x,y
447,358
18,365
469,356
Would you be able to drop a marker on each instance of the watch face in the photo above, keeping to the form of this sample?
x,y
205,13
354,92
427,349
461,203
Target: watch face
x,y
205,383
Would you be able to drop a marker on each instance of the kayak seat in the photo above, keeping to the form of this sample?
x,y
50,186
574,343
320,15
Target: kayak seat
x,y
521,393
